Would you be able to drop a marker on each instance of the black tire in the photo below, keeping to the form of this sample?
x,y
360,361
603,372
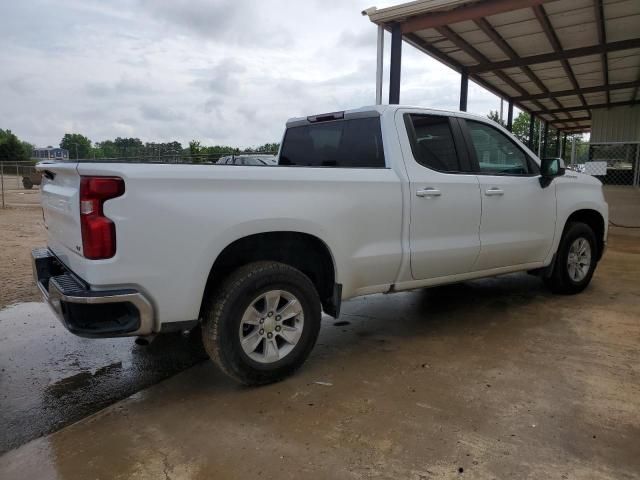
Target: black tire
x,y
27,183
222,316
560,280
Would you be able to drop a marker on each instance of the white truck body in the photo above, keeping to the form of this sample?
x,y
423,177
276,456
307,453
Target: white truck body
x,y
387,229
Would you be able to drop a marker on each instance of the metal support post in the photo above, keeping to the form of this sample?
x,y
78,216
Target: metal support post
x,y
380,65
636,182
396,63
464,90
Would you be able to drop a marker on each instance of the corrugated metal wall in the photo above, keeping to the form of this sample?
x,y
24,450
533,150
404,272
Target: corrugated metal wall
x,y
619,124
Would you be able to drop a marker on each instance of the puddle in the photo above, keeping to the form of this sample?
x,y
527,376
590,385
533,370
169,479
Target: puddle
x,y
50,378
82,380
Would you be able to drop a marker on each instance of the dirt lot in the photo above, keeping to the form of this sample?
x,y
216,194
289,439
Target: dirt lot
x,y
21,229
489,379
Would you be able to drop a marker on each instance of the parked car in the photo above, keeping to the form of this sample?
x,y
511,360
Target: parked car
x,y
378,199
33,178
249,159
577,167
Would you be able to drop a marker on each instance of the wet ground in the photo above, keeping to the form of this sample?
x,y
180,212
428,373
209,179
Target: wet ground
x,y
489,379
50,378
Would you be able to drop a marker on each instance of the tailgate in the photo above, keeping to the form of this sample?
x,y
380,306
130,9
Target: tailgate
x,y
60,193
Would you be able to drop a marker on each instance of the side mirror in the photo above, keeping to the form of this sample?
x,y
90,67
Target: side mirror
x,y
550,168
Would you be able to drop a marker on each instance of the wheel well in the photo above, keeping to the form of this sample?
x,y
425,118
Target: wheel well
x,y
305,252
595,221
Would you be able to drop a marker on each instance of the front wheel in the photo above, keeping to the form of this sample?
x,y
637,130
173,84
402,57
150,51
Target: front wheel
x,y
262,323
576,260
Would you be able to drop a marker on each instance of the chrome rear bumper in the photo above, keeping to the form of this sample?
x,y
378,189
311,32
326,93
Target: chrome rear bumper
x,y
86,312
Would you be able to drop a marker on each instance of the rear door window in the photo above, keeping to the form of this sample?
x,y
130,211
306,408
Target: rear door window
x,y
432,142
354,143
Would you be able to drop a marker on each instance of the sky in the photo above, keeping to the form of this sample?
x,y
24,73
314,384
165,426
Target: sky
x,y
221,72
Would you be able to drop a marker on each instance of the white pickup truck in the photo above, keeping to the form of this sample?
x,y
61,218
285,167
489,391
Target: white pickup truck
x,y
377,199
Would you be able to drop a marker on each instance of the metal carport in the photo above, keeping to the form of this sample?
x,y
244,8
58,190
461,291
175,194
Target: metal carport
x,y
559,60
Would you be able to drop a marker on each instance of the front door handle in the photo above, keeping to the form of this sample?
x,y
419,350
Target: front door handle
x,y
494,191
428,192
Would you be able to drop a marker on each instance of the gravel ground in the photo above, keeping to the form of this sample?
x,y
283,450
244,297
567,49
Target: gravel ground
x,y
21,229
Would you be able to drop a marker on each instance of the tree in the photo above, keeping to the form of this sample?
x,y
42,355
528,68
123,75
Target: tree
x,y
220,149
27,148
78,145
493,115
194,147
128,147
11,148
520,126
268,147
520,129
106,149
168,151
159,150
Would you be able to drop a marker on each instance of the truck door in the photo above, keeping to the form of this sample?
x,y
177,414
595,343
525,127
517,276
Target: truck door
x,y
518,215
445,196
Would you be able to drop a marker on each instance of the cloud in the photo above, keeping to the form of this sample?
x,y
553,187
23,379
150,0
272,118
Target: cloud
x,y
222,72
235,22
21,86
122,87
222,79
357,38
160,114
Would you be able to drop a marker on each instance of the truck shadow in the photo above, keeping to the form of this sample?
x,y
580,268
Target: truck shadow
x,y
495,309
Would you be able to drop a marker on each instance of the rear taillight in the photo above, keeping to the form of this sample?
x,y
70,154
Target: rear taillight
x,y
98,232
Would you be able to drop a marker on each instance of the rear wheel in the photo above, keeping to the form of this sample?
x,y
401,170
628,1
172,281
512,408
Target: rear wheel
x,y
262,323
576,260
27,183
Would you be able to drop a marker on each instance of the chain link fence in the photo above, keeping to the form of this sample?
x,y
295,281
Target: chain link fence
x,y
19,183
614,163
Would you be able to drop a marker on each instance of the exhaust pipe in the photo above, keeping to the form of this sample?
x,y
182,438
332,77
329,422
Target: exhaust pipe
x,y
145,341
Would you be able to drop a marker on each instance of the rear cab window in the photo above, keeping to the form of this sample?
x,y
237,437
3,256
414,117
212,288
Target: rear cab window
x,y
339,143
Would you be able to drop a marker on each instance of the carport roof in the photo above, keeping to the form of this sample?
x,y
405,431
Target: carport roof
x,y
556,59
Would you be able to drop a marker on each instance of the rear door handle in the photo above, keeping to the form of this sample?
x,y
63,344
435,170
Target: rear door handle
x,y
494,191
428,192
